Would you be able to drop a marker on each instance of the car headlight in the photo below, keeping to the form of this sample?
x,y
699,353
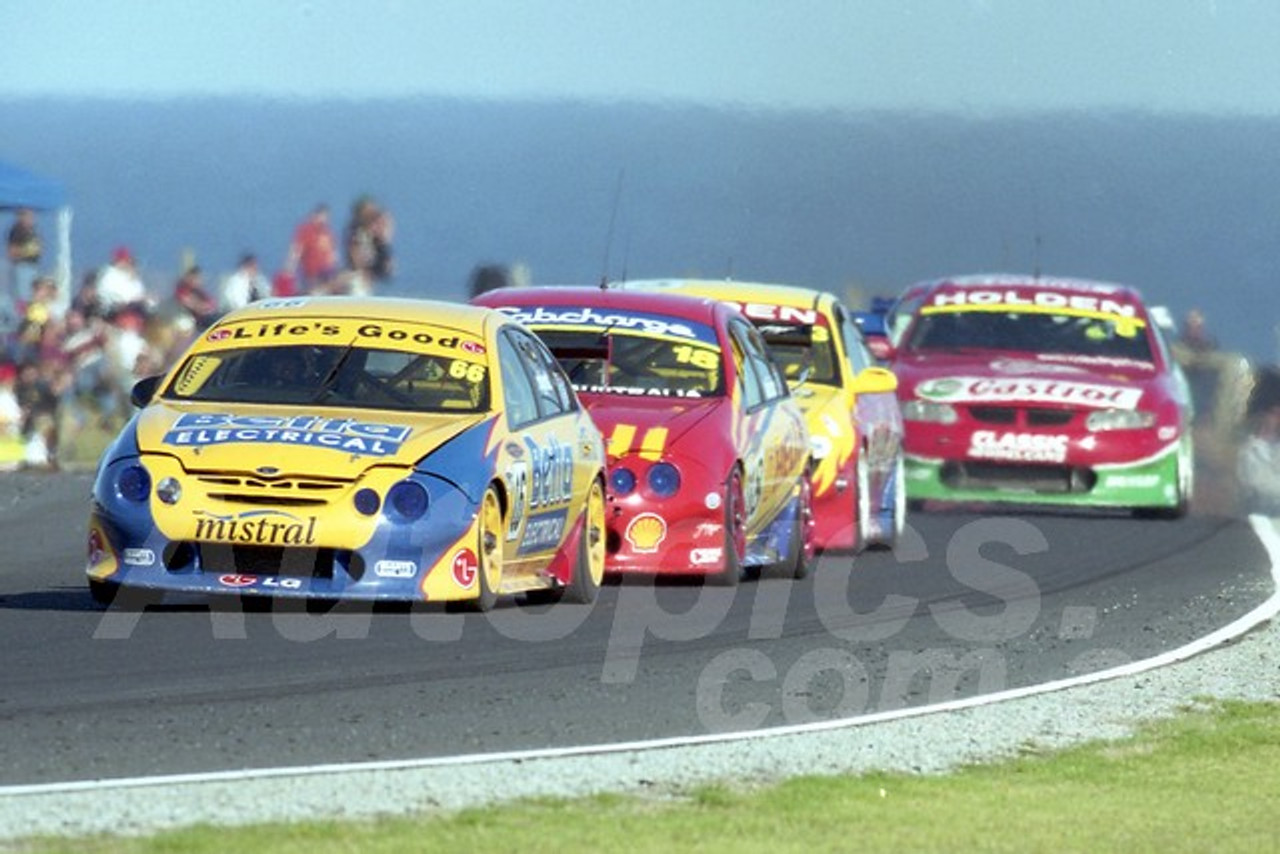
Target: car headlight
x,y
407,500
664,480
622,481
1119,419
133,483
367,502
929,411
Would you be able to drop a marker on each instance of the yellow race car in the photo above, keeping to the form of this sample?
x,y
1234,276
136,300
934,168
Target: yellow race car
x,y
340,448
855,426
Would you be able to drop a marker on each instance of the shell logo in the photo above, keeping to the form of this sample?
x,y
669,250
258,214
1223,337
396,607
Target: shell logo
x,y
646,532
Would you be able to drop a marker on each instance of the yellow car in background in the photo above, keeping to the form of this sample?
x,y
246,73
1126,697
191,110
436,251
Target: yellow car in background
x,y
855,425
339,448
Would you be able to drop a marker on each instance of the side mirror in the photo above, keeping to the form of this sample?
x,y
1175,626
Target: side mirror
x,y
144,389
879,346
875,381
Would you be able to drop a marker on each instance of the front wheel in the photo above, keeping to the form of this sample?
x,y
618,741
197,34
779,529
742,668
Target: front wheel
x,y
489,551
799,560
735,533
588,573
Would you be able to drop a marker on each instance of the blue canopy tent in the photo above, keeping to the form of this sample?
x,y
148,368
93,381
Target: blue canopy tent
x,y
22,189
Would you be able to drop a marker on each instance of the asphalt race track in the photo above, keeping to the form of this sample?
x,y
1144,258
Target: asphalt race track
x,y
968,604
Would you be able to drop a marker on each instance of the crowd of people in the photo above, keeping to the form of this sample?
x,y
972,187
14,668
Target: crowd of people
x,y
67,364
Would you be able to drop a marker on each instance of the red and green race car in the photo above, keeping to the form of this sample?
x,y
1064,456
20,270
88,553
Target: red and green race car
x,y
1042,391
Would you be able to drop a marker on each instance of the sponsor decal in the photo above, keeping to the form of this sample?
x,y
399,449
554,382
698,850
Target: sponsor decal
x,y
517,480
258,330
636,391
1018,447
362,438
97,550
248,332
1013,298
139,557
708,529
395,569
256,527
703,557
544,531
622,439
237,581
465,568
1130,481
552,468
778,313
544,479
646,532
650,324
993,389
1027,366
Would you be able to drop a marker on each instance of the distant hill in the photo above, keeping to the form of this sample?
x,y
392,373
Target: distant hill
x,y
1186,207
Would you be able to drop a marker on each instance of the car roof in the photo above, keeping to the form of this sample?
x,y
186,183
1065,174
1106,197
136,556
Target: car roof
x,y
772,293
688,306
438,312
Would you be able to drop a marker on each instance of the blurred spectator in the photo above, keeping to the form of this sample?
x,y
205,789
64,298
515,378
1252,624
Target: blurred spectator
x,y
38,398
198,307
245,285
1194,334
1258,465
24,252
39,316
83,346
368,241
119,284
313,253
284,284
86,299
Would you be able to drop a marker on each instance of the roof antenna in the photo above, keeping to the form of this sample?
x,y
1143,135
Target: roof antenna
x,y
1035,218
613,217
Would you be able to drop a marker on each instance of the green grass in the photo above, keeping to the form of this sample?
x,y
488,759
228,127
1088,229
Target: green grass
x,y
1207,780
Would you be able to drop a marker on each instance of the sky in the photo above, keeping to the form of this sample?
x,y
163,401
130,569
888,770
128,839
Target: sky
x,y
974,56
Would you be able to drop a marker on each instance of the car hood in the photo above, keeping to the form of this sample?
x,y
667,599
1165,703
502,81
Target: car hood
x,y
332,443
1001,378
626,424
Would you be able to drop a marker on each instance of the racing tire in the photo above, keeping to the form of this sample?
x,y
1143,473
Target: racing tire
x,y
799,560
588,571
898,519
862,503
489,552
735,534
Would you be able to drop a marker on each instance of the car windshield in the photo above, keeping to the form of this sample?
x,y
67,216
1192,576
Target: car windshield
x,y
612,361
348,377
797,348
1043,333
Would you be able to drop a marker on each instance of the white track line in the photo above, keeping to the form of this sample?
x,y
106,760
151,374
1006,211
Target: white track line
x,y
1262,526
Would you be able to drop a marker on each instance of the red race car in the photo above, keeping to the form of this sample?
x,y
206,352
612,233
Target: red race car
x,y
708,453
1042,391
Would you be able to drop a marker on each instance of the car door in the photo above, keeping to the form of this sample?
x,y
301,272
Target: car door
x,y
540,460
776,440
